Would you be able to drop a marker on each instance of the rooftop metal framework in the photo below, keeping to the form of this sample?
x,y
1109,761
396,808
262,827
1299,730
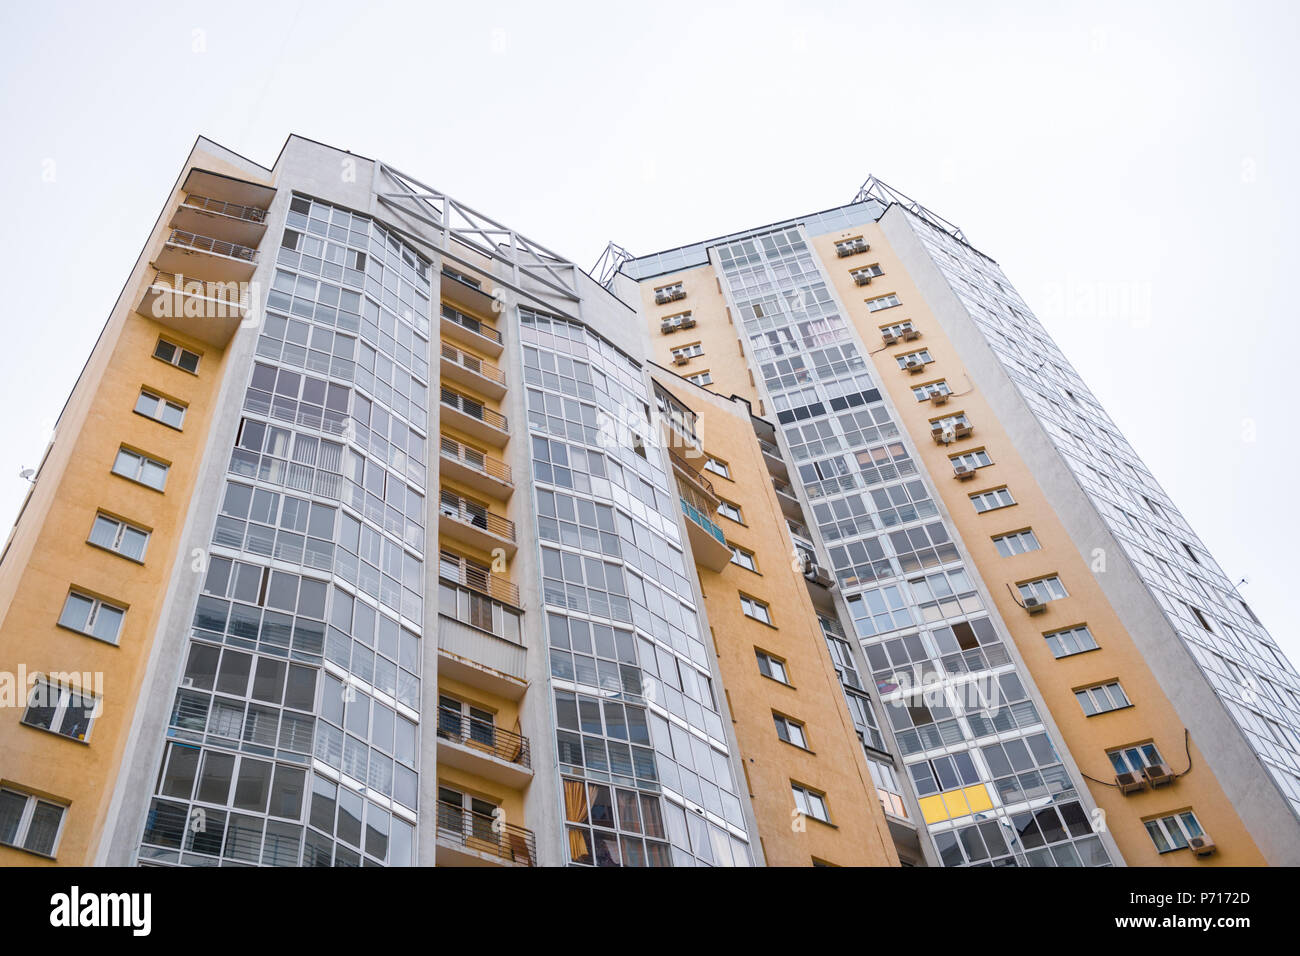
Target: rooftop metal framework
x,y
873,188
607,266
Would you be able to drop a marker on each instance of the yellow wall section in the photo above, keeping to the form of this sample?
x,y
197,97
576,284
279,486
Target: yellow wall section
x,y
834,762
1088,738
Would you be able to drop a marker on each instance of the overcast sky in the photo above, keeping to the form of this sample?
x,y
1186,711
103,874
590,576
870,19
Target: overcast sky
x,y
1132,169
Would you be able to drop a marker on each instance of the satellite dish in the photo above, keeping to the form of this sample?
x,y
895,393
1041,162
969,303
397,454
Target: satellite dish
x,y
27,474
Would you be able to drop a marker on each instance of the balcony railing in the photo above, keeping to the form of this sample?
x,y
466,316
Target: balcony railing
x,y
703,520
231,250
229,295
769,448
479,461
479,734
477,578
454,506
475,410
470,323
473,364
485,834
234,210
688,472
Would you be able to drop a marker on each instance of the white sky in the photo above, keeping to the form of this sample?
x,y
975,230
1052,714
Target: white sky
x,y
1133,170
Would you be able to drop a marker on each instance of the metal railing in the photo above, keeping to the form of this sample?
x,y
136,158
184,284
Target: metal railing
x,y
475,409
486,834
473,363
234,210
769,448
691,474
470,323
479,461
477,578
479,734
454,506
229,294
232,250
701,519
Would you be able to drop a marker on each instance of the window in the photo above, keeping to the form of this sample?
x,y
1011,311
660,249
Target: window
x,y
140,468
703,378
160,409
729,510
912,359
743,557
1045,589
668,293
791,731
972,460
848,247
1134,759
688,351
883,302
810,803
755,609
924,393
1102,698
92,617
173,354
1071,640
992,500
943,774
29,823
1174,831
867,273
887,788
773,667
899,330
119,537
718,467
60,710
1016,542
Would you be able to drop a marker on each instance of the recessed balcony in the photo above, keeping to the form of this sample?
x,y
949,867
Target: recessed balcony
x,y
483,749
467,330
469,370
212,260
790,506
773,458
208,311
233,222
223,188
466,291
476,469
471,523
471,417
466,838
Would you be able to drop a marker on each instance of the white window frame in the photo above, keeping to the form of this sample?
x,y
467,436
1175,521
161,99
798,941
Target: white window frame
x,y
776,669
725,508
790,730
873,270
1048,588
898,328
924,393
23,830
979,458
717,466
140,460
158,404
923,356
1069,641
755,609
694,350
92,616
701,378
743,557
1110,693
809,801
62,694
1175,829
180,352
119,533
1016,542
1135,758
1000,498
882,302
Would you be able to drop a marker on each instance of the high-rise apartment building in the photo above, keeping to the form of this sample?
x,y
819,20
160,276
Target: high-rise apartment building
x,y
800,546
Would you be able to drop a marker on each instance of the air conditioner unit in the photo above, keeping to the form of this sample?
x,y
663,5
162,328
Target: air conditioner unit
x,y
843,251
1158,775
938,398
961,429
910,334
678,294
818,575
681,359
915,365
1033,605
1129,783
889,337
667,327
963,470
860,245
862,278
688,323
1202,845
662,298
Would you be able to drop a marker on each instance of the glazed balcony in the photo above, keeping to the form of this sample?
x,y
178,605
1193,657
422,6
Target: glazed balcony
x,y
473,372
708,542
470,416
471,523
203,257
466,838
476,469
483,749
467,330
